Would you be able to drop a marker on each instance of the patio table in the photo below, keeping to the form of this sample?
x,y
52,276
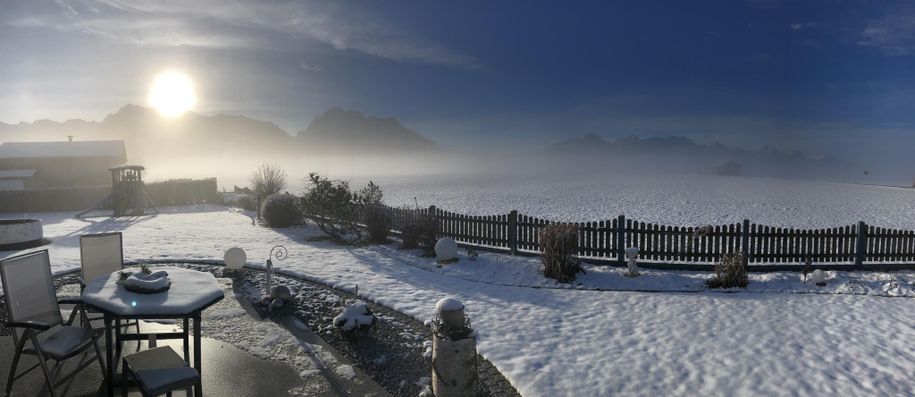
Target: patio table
x,y
191,292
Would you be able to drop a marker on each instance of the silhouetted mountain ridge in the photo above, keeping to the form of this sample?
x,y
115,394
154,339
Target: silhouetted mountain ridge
x,y
594,144
682,152
347,129
150,136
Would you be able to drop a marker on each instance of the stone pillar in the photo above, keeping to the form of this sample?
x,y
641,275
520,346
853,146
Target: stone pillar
x,y
632,253
454,352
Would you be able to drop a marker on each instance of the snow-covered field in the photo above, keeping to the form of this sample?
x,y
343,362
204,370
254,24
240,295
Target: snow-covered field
x,y
683,200
567,341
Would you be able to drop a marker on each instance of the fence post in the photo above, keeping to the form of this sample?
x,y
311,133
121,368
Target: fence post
x,y
438,222
513,232
745,242
621,240
861,244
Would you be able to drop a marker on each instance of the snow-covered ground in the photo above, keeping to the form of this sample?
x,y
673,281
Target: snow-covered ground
x,y
567,341
681,200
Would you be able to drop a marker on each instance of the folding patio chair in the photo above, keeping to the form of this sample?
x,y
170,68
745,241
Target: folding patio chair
x,y
101,254
33,310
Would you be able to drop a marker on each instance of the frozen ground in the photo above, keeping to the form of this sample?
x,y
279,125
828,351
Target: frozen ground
x,y
683,200
560,341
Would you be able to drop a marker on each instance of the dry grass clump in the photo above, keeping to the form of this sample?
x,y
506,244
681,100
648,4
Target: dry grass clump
x,y
730,272
559,249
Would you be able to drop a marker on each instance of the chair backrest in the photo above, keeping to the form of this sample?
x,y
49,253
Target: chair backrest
x,y
100,254
29,288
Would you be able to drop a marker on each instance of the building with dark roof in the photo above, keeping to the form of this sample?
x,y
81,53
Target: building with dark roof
x,y
59,164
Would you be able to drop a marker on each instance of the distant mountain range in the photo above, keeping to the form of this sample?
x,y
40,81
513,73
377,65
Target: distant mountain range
x,y
149,136
684,152
348,133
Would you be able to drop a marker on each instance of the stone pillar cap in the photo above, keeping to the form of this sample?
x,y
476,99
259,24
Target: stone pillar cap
x,y
449,305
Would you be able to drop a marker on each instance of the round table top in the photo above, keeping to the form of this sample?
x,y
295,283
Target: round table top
x,y
190,291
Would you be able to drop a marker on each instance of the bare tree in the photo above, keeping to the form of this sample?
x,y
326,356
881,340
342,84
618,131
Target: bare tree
x,y
267,179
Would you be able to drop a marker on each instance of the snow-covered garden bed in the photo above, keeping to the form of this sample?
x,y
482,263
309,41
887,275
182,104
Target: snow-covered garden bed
x,y
578,340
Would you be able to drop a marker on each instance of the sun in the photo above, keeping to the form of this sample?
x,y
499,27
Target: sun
x,y
172,93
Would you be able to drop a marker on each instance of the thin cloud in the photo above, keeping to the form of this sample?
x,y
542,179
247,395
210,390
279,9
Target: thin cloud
x,y
893,34
804,26
225,24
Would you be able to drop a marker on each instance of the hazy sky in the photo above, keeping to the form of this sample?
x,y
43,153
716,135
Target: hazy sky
x,y
813,75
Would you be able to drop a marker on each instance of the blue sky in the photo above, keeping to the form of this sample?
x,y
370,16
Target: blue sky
x,y
818,76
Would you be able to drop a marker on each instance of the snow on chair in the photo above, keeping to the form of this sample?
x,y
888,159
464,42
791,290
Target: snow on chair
x,y
33,309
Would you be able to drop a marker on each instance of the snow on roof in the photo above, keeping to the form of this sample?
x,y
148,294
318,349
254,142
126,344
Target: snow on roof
x,y
16,173
62,149
127,167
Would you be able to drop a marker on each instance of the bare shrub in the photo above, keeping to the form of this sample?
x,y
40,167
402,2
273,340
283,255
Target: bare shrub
x,y
267,179
420,231
559,249
281,210
730,272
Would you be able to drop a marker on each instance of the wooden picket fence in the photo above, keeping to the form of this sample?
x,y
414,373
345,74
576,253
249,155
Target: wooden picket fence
x,y
604,241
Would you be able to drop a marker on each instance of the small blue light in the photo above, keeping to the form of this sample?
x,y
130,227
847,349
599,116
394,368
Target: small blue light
x,y
134,303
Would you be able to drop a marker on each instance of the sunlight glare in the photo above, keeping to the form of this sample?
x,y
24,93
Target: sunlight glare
x,y
172,94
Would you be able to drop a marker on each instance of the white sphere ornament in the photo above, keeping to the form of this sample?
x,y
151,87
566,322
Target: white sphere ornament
x,y
235,258
446,249
818,277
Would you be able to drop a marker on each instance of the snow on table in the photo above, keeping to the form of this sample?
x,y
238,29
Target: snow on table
x,y
554,342
190,291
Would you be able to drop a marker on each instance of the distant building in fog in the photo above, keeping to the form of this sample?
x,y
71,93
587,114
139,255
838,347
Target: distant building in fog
x,y
59,164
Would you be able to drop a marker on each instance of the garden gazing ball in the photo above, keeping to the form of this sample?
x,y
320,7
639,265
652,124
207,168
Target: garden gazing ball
x,y
818,277
235,258
446,249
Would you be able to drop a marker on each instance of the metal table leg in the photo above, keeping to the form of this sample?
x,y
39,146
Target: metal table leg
x,y
118,343
198,391
109,344
187,345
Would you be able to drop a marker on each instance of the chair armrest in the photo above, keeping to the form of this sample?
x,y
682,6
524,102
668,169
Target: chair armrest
x,y
70,300
29,324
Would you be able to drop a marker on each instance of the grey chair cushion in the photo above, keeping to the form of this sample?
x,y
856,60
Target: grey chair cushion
x,y
158,381
66,341
160,370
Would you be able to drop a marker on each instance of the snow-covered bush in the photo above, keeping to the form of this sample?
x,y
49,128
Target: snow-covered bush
x,y
730,272
420,231
559,250
332,206
335,208
281,210
355,315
